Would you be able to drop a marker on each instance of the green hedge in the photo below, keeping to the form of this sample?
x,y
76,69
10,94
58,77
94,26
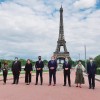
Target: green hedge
x,y
98,71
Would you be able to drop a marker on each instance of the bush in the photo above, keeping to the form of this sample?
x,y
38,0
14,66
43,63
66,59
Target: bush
x,y
98,71
71,62
23,62
97,60
45,62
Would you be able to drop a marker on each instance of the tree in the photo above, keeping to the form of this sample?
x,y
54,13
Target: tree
x,y
71,62
83,63
9,62
75,63
33,62
87,61
45,62
2,61
10,65
23,62
97,60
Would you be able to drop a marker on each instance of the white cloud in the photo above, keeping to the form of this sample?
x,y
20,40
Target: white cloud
x,y
31,28
81,4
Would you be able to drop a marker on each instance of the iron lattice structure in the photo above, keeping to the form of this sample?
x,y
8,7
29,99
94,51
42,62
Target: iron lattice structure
x,y
61,41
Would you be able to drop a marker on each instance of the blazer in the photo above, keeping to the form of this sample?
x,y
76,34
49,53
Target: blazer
x,y
52,65
6,68
16,67
39,65
28,67
67,66
91,69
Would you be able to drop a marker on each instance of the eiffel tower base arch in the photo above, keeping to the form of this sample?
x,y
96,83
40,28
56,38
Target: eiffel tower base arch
x,y
61,56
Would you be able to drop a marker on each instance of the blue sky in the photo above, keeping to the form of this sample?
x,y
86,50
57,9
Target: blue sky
x,y
98,4
29,28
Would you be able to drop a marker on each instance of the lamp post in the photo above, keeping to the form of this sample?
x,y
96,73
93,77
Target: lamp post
x,y
85,55
79,56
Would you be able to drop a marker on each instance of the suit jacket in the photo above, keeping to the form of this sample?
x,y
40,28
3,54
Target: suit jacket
x,y
67,66
16,67
28,67
39,65
91,69
52,65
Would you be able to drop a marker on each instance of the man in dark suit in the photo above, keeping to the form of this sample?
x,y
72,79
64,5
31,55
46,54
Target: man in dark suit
x,y
91,72
52,65
39,69
16,69
67,67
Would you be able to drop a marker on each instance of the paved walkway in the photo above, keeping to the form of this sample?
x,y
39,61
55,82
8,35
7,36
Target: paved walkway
x,y
45,92
97,77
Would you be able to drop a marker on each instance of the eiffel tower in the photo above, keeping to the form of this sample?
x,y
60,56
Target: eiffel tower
x,y
61,42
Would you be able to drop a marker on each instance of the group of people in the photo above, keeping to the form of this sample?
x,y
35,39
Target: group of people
x,y
52,65
79,69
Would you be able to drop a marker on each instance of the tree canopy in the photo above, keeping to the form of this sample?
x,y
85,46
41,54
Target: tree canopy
x,y
73,63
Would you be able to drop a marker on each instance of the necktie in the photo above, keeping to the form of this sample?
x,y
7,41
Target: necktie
x,y
91,64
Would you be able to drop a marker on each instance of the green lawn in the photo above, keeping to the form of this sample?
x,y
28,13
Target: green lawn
x,y
24,73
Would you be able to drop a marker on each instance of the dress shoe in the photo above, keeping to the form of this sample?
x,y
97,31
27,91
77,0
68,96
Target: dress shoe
x,y
3,83
93,88
17,83
69,85
76,86
64,85
13,83
35,83
89,87
41,83
49,84
54,84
